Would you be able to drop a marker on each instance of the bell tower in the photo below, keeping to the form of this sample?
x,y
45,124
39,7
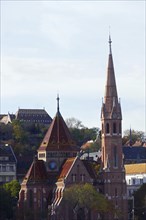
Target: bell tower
x,y
113,172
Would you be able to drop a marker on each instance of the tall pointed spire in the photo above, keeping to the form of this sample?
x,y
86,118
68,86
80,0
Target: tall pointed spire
x,y
110,88
110,42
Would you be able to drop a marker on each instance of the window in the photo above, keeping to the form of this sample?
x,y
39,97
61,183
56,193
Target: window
x,y
115,156
4,168
119,128
11,168
141,181
133,181
73,177
107,128
82,177
114,128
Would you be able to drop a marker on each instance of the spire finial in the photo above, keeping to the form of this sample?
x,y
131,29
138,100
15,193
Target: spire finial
x,y
58,102
110,42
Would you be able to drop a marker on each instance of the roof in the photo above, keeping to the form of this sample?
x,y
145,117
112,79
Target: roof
x,y
134,153
66,167
37,173
7,151
58,136
138,168
36,115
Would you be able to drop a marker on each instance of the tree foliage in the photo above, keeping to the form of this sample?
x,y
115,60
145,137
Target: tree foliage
x,y
140,202
13,188
79,132
6,205
8,199
135,135
87,196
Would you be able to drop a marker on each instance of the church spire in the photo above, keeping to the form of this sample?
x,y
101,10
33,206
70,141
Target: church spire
x,y
110,88
58,103
110,42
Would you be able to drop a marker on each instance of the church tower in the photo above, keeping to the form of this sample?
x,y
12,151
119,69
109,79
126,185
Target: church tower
x,y
113,172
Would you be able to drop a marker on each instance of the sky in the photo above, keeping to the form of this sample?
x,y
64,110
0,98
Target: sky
x,y
61,47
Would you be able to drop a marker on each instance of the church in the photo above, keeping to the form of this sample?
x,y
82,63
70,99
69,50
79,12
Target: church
x,y
59,166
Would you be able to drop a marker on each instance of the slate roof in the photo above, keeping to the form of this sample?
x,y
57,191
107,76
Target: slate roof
x,y
33,115
58,137
134,153
37,173
138,168
7,151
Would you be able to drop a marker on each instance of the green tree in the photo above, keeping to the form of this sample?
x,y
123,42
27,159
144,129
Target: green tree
x,y
140,203
18,133
6,205
133,135
13,188
78,194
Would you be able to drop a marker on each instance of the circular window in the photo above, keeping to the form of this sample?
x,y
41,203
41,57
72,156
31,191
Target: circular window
x,y
52,165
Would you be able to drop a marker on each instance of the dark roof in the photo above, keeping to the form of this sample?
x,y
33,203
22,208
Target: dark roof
x,y
7,151
37,173
58,137
134,153
92,168
34,115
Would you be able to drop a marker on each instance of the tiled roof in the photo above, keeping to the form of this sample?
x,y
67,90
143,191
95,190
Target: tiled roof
x,y
134,153
36,173
58,136
36,115
138,168
7,151
66,167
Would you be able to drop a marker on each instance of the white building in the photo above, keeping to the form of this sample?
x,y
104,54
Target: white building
x,y
8,164
135,177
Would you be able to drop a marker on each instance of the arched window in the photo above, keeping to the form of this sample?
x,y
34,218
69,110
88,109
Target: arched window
x,y
107,128
114,128
115,156
119,128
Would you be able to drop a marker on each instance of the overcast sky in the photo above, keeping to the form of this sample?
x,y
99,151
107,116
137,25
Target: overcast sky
x,y
50,47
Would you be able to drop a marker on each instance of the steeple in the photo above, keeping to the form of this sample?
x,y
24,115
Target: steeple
x,y
113,175
110,88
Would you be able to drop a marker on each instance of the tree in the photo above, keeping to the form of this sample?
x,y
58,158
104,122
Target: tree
x,y
80,133
13,188
74,123
6,205
140,203
87,196
18,133
133,135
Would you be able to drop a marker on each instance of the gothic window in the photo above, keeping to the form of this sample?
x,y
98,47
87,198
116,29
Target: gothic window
x,y
82,177
114,128
74,177
107,128
119,128
115,156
